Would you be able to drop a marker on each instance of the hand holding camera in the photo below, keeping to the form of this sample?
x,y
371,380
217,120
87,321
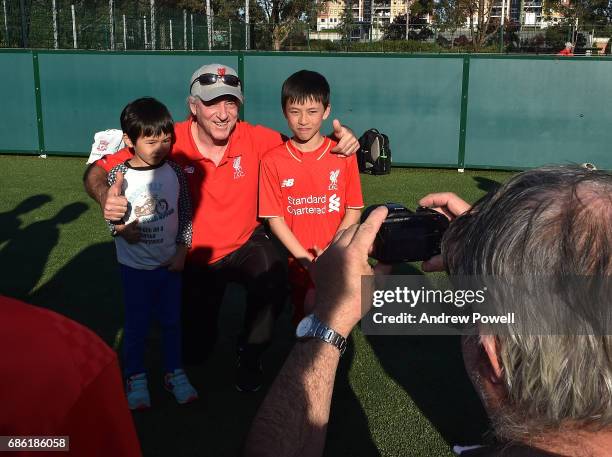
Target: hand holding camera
x,y
407,236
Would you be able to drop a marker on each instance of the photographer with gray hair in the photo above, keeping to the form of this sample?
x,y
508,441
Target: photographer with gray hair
x,y
548,394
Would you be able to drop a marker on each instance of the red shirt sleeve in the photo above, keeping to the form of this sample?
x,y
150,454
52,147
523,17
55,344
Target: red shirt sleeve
x,y
110,160
100,423
354,197
270,195
61,380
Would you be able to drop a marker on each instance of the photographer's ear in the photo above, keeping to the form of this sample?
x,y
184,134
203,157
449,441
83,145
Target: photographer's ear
x,y
490,345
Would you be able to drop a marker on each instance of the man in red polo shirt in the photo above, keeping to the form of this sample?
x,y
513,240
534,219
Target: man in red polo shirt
x,y
220,157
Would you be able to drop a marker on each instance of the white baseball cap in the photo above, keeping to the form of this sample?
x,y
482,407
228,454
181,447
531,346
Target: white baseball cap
x,y
214,80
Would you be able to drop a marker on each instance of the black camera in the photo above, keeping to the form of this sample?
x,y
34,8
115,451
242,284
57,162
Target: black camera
x,y
407,236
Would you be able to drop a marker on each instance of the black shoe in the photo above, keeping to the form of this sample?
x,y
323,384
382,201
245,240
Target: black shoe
x,y
249,369
249,377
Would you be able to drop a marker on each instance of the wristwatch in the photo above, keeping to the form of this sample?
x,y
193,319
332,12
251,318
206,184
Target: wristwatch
x,y
312,327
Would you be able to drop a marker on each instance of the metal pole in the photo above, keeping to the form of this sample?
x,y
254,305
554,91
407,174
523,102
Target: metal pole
x,y
111,19
55,36
24,35
407,21
501,28
171,42
372,19
124,35
208,17
74,35
192,31
185,29
6,34
144,22
247,27
152,24
229,22
212,25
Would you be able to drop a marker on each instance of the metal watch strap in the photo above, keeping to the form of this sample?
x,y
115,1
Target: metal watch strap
x,y
323,332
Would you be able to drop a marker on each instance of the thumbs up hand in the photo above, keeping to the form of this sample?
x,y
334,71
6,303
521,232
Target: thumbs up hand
x,y
115,204
116,189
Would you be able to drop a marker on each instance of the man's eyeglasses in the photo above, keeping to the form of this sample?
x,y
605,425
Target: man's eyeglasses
x,y
210,78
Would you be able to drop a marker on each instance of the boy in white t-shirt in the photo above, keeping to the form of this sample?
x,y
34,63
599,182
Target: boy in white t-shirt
x,y
159,203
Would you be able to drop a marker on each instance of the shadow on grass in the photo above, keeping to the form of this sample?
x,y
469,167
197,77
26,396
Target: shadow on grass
x,y
88,290
9,220
219,422
430,369
348,432
25,255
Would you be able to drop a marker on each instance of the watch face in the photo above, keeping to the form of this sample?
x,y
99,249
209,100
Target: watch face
x,y
304,326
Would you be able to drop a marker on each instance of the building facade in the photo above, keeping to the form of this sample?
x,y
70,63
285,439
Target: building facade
x,y
379,13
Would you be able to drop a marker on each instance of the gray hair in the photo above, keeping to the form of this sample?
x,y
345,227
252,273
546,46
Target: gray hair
x,y
191,99
555,221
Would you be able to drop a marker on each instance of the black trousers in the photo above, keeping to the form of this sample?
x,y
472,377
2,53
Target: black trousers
x,y
260,267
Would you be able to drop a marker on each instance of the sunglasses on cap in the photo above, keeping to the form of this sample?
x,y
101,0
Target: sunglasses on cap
x,y
208,79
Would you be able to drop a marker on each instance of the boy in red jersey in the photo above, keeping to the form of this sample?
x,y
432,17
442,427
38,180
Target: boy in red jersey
x,y
306,193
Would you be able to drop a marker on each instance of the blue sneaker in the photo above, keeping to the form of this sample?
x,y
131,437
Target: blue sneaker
x,y
179,385
137,392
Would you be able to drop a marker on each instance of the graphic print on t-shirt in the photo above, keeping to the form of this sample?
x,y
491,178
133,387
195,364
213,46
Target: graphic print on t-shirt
x,y
153,195
149,204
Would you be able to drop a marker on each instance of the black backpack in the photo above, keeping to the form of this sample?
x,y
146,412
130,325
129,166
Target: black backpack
x,y
374,155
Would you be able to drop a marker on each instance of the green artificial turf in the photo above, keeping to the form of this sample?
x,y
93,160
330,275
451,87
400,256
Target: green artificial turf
x,y
394,396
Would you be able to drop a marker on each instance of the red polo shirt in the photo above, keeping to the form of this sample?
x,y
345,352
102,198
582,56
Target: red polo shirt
x,y
224,196
57,378
310,190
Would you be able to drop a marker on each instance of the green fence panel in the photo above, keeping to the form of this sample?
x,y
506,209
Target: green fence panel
x,y
83,93
527,112
18,126
521,111
414,100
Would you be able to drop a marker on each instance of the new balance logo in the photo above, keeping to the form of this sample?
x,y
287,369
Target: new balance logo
x,y
334,204
288,182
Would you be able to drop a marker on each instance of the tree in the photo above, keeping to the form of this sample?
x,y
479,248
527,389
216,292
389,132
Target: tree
x,y
477,13
283,15
225,9
450,15
396,30
588,12
347,24
482,27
